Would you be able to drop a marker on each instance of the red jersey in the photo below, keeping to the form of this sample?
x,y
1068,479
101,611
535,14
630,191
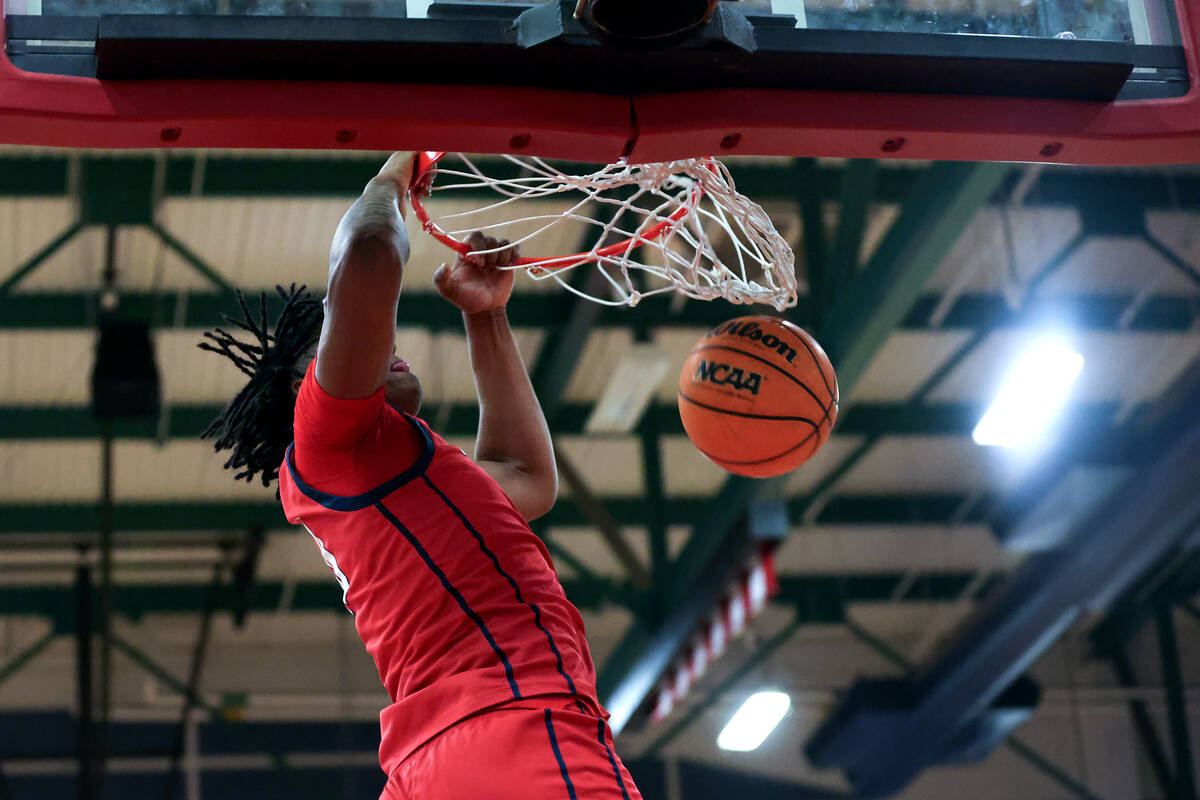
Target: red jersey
x,y
453,595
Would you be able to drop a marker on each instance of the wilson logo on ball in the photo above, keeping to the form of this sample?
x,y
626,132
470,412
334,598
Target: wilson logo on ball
x,y
757,396
751,331
725,375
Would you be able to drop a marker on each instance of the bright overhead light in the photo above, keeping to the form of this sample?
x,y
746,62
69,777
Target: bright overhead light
x,y
1030,396
754,721
631,386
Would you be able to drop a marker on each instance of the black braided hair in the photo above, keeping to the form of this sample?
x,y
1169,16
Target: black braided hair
x,y
257,423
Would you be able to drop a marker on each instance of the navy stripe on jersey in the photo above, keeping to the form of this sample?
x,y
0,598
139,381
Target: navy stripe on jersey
x,y
612,759
562,766
537,612
456,594
369,498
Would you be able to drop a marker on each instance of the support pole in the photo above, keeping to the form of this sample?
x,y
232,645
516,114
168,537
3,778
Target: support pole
x,y
656,517
1185,769
83,665
1143,723
105,594
193,685
598,515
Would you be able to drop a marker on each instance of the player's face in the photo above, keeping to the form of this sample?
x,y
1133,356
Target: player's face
x,y
402,390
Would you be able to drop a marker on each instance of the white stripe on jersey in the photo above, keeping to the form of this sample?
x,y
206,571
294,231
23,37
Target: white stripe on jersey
x,y
331,562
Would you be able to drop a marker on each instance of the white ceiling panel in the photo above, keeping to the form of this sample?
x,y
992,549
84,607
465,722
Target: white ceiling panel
x,y
604,348
855,549
609,465
41,471
605,630
291,555
191,375
1179,231
686,471
592,549
915,464
805,478
445,372
678,343
1117,264
145,471
985,259
46,367
258,242
76,266
28,224
905,361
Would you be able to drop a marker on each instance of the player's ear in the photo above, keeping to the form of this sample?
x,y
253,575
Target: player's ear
x,y
296,386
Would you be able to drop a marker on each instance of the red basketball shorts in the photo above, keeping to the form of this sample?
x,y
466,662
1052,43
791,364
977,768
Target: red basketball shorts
x,y
531,749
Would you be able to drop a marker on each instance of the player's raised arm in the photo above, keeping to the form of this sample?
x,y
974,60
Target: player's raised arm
x,y
513,445
366,269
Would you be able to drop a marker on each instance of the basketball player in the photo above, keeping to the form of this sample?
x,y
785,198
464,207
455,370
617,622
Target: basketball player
x,y
491,680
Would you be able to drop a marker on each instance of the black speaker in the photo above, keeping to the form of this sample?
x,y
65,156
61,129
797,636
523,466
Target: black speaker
x,y
125,377
637,23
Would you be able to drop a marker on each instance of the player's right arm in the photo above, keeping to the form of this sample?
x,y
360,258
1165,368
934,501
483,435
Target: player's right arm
x,y
366,269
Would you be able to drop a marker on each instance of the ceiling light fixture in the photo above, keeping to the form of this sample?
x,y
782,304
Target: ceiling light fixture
x,y
1032,394
754,721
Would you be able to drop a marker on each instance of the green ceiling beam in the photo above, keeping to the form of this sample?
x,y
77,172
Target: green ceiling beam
x,y
1082,311
971,311
70,517
854,205
417,309
194,261
134,601
819,598
877,299
271,176
33,176
866,419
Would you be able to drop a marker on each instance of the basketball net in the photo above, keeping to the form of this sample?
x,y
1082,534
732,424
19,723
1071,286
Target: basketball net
x,y
652,228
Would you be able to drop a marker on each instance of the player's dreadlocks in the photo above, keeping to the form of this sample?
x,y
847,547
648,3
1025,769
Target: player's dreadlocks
x,y
257,423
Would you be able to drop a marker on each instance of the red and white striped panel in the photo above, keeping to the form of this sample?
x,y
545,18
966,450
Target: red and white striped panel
x,y
746,598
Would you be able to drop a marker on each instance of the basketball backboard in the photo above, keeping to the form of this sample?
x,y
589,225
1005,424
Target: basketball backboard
x,y
1104,82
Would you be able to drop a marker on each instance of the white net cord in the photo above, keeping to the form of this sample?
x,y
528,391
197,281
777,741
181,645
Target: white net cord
x,y
662,222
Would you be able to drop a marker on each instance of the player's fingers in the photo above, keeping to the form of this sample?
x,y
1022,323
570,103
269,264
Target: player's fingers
x,y
441,275
506,256
491,258
477,241
424,187
399,168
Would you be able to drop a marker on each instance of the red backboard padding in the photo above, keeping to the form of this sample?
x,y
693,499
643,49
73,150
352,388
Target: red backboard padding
x,y
37,109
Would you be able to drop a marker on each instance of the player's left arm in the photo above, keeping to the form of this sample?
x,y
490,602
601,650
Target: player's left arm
x,y
513,445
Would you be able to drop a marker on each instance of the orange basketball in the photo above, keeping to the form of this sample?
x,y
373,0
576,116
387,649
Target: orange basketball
x,y
758,396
